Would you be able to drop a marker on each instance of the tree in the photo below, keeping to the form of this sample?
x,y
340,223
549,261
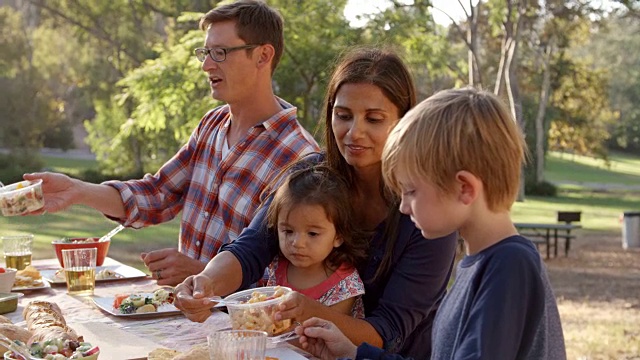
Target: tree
x,y
316,31
616,44
29,111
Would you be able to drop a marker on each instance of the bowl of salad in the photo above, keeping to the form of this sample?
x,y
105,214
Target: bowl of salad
x,y
57,350
21,198
82,243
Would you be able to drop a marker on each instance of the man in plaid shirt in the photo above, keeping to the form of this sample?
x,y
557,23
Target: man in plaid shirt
x,y
217,178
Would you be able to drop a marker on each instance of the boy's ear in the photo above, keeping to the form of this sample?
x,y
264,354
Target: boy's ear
x,y
338,241
266,55
469,185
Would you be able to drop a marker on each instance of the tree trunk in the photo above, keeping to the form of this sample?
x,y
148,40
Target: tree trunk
x,y
475,77
542,108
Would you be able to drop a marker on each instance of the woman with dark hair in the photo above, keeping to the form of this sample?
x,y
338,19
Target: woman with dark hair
x,y
405,277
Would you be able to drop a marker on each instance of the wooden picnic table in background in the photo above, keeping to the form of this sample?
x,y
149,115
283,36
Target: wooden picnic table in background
x,y
547,233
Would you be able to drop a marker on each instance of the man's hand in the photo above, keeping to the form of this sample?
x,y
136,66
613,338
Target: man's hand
x,y
324,340
59,190
170,267
191,297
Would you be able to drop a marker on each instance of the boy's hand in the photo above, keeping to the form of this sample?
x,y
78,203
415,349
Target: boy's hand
x,y
324,340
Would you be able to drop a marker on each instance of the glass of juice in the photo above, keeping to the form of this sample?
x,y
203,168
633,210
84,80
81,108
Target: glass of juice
x,y
80,270
17,250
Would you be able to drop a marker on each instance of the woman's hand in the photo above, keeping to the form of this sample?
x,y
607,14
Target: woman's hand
x,y
191,297
323,339
298,307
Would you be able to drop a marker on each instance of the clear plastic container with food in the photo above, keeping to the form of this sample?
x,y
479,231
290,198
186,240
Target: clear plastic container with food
x,y
21,198
253,309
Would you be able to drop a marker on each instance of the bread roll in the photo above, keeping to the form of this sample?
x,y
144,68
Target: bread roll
x,y
45,322
162,354
5,320
197,352
13,332
38,306
43,334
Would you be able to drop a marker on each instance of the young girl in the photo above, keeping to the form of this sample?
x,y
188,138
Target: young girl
x,y
319,247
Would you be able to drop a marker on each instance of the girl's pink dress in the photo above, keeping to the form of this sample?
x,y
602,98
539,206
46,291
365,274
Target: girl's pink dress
x,y
343,284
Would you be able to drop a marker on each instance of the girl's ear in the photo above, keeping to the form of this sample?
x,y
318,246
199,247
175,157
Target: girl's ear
x,y
338,241
469,187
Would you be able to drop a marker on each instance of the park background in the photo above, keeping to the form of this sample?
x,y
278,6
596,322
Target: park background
x,y
111,89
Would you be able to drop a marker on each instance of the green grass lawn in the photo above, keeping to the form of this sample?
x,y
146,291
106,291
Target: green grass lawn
x,y
69,166
622,169
600,210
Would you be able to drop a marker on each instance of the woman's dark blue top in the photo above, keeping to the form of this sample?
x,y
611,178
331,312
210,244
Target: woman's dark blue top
x,y
401,305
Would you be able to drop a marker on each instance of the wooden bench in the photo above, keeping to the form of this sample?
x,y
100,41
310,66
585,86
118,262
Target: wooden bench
x,y
544,233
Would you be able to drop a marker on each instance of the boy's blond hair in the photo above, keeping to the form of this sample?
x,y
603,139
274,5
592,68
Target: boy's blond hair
x,y
454,130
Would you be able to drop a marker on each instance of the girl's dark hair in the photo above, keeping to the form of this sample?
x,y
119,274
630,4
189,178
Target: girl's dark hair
x,y
387,71
320,185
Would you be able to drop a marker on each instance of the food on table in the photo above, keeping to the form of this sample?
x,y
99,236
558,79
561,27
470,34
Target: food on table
x,y
256,312
162,354
195,353
78,241
48,335
21,198
13,332
28,277
4,320
139,304
104,274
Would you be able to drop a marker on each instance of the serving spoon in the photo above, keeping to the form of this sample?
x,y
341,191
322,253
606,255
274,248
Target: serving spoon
x,y
111,233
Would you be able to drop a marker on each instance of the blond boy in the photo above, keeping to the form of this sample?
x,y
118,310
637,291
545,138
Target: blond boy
x,y
456,159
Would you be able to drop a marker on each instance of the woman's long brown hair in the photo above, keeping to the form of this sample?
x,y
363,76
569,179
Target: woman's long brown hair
x,y
384,69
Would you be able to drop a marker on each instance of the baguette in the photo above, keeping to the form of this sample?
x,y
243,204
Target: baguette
x,y
45,322
13,332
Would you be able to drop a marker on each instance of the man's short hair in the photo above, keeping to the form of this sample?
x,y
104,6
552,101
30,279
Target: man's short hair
x,y
256,23
454,130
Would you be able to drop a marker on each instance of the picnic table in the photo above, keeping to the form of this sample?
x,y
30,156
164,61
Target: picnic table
x,y
131,337
549,233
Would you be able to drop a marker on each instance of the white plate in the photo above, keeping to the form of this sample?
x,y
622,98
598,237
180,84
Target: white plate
x,y
106,304
122,271
45,285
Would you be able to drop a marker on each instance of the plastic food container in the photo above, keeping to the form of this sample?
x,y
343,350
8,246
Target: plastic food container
x,y
9,302
250,313
82,243
21,198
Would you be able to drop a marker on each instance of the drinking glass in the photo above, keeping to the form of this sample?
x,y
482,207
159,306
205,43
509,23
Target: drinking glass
x,y
237,344
80,270
17,250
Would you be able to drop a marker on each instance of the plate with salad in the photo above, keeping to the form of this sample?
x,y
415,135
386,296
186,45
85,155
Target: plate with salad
x,y
157,303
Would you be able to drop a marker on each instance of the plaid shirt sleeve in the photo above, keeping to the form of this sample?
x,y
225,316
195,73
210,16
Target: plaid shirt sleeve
x,y
217,196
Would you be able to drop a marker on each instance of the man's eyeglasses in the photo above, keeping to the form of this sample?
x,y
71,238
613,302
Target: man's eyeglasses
x,y
219,54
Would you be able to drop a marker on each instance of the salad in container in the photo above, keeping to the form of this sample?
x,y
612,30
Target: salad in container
x,y
21,198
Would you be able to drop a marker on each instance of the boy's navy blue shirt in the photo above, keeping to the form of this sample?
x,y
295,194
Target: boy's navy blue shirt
x,y
501,306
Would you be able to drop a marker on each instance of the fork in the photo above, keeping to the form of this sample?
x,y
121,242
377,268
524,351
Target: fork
x,y
289,335
16,348
222,302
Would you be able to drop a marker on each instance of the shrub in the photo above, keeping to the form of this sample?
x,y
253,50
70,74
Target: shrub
x,y
543,188
14,165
